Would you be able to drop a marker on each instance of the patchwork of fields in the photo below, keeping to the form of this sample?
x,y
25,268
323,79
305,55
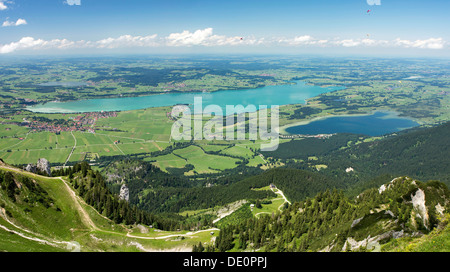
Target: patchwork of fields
x,y
143,132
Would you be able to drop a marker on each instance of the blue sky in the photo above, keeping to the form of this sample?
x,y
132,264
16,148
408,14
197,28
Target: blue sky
x,y
194,26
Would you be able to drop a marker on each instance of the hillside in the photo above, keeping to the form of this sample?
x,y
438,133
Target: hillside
x,y
380,206
40,213
53,214
359,162
403,215
419,153
156,191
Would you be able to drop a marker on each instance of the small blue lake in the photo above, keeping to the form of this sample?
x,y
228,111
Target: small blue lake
x,y
376,124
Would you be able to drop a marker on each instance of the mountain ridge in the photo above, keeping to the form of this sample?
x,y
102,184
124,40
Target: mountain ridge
x,y
39,213
374,220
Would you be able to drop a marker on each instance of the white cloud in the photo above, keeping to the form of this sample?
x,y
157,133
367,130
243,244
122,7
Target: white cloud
x,y
206,37
307,40
73,2
348,43
432,43
125,41
3,6
36,44
187,38
17,23
24,43
302,40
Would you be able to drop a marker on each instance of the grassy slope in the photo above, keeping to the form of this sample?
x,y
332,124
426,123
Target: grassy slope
x,y
34,227
436,241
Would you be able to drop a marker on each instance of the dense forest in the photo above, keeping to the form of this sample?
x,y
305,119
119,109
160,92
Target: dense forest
x,y
326,221
156,191
21,187
302,149
91,186
328,206
374,163
420,153
296,184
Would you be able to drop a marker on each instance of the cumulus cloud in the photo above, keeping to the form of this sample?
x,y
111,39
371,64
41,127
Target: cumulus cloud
x,y
73,2
307,40
188,38
24,43
16,23
206,37
302,40
432,43
348,43
125,41
3,6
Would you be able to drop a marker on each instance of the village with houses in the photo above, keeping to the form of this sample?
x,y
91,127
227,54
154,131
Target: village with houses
x,y
85,122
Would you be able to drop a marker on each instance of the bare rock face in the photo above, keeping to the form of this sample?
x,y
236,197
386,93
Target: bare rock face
x,y
31,168
124,193
44,166
418,201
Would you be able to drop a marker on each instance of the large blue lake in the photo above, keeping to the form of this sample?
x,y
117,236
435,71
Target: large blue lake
x,y
268,95
376,124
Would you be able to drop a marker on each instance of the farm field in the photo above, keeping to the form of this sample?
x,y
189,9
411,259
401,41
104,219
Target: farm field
x,y
238,151
145,133
147,124
204,163
167,161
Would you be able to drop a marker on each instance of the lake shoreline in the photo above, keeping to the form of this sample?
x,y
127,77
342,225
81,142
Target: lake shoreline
x,y
389,114
296,93
151,93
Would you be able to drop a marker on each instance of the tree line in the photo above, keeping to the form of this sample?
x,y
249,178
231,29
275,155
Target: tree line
x,y
91,186
329,218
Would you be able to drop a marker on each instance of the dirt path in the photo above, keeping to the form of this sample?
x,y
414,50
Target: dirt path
x,y
229,209
157,146
172,235
262,158
85,218
21,232
279,192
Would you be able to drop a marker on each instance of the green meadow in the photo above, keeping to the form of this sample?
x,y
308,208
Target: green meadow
x,y
205,163
69,220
